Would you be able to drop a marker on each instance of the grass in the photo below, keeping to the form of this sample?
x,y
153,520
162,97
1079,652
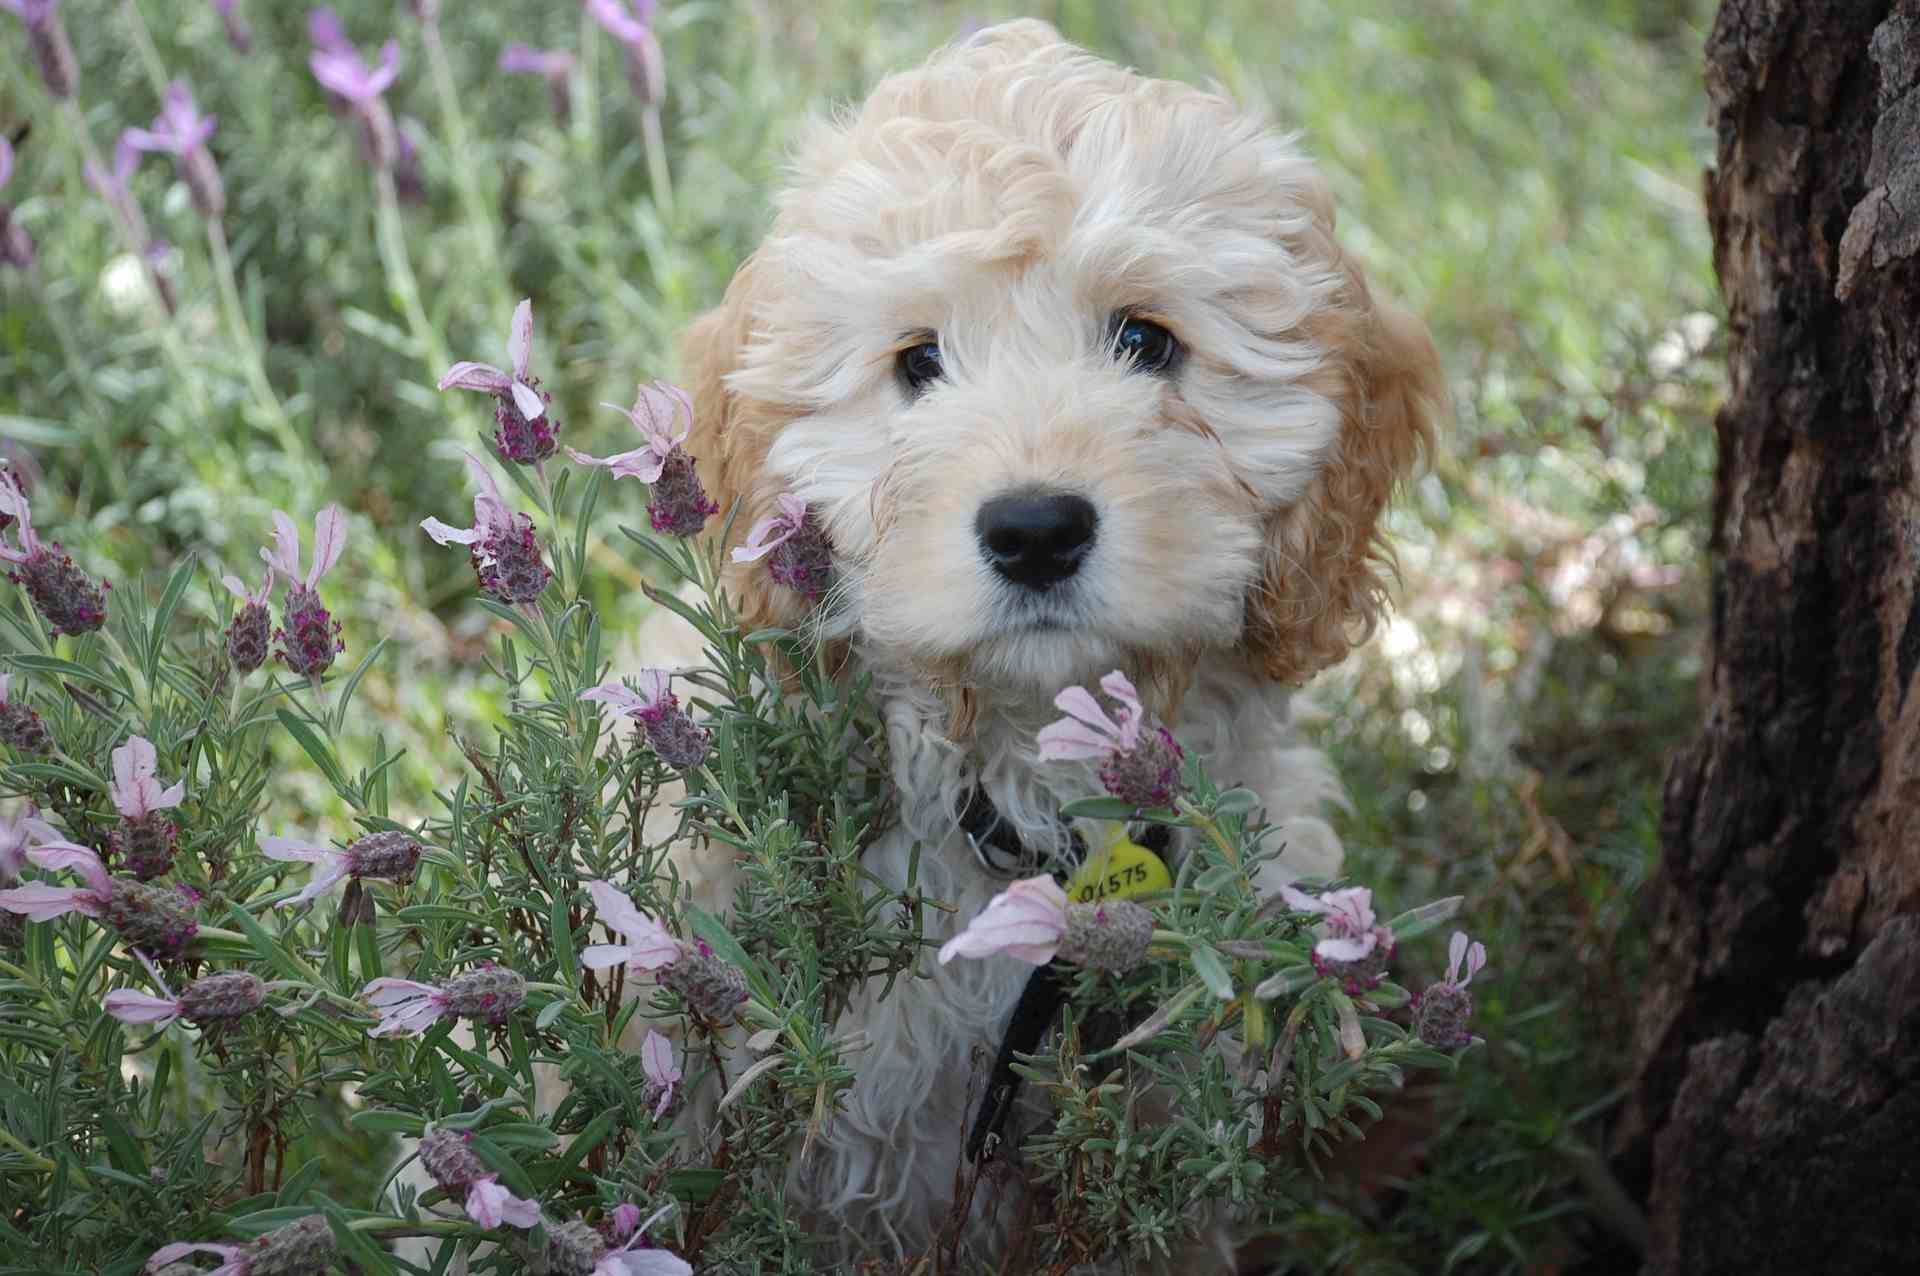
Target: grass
x,y
1524,174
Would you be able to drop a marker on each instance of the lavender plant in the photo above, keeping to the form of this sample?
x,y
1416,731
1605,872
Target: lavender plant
x,y
140,1126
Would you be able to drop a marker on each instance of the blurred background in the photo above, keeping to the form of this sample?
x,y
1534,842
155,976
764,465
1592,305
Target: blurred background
x,y
1526,175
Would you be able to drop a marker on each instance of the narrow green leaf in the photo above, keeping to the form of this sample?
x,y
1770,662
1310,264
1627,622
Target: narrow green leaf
x,y
316,749
1212,970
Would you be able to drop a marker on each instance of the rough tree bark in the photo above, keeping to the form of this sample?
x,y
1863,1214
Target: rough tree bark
x,y
1775,1120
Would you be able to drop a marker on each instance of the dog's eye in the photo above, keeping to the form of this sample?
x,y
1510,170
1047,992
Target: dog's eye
x,y
919,366
1144,345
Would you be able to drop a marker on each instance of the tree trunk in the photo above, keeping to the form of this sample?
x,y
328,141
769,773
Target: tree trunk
x,y
1775,1117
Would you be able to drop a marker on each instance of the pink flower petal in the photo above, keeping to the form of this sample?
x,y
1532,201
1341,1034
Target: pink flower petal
x,y
180,1249
388,991
626,1219
520,339
129,1006
42,901
329,538
642,463
489,1205
650,945
601,956
656,1060
1067,740
1347,948
1024,921
285,555
79,859
447,534
468,375
618,696
527,401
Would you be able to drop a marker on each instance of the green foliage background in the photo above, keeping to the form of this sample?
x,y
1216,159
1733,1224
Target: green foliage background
x,y
1524,174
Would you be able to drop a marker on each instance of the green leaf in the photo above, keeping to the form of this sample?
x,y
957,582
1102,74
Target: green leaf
x,y
386,1121
524,1134
316,749
1212,970
1418,921
269,948
711,929
562,931
548,1013
584,1142
163,614
1236,802
695,1185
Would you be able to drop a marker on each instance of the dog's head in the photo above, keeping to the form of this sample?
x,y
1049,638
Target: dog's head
x,y
1070,368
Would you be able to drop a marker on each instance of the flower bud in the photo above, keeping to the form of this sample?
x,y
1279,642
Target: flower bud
x,y
391,856
804,561
309,636
144,845
508,563
709,985
679,504
1110,935
21,727
681,742
519,440
202,176
155,919
1147,774
303,1247
227,995
16,245
69,601
448,1157
247,638
491,993
1441,1015
573,1247
53,53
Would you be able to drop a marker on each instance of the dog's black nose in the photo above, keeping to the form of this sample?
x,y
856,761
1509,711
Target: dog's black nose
x,y
1036,538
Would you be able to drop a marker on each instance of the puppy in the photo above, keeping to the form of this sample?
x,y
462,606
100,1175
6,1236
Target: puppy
x,y
1070,368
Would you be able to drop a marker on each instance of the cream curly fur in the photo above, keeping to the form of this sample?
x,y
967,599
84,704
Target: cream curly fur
x,y
1011,196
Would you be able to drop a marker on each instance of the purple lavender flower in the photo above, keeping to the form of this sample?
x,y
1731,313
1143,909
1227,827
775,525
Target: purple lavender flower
x,y
20,724
309,636
1356,949
678,504
408,1009
681,742
248,634
145,839
1441,1013
523,430
355,86
182,132
16,246
556,65
211,999
633,28
1140,760
449,1159
304,1247
577,1248
69,601
52,51
152,918
796,549
506,557
239,35
391,856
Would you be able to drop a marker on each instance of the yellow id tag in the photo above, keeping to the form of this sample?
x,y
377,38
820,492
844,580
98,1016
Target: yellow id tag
x,y
1124,869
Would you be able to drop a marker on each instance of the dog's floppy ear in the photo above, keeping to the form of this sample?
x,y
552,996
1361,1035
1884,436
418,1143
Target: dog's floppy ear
x,y
730,437
1325,580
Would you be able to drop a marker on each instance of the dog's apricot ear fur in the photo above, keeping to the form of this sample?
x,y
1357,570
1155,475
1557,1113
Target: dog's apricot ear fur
x,y
730,438
1325,582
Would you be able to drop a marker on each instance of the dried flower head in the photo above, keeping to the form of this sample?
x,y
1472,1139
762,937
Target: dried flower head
x,y
20,724
182,132
309,636
66,598
1356,949
506,557
1140,760
524,433
795,547
1442,1013
448,1157
680,742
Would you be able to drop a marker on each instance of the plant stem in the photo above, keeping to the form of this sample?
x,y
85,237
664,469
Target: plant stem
x,y
38,1162
657,171
472,198
143,44
290,441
